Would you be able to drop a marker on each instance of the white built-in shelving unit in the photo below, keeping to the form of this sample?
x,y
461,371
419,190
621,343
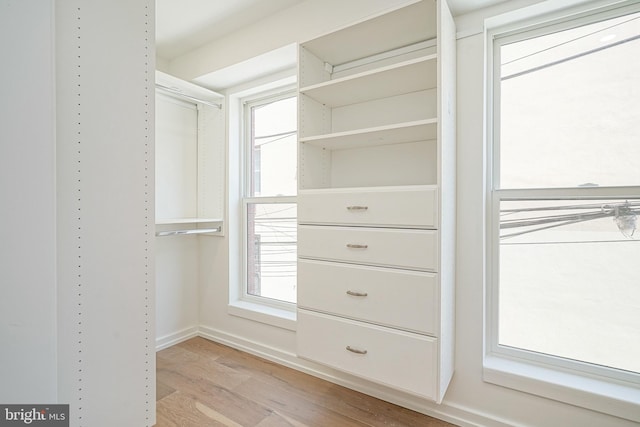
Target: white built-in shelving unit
x,y
190,161
189,198
376,200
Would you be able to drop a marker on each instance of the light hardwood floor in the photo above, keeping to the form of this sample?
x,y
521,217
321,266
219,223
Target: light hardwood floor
x,y
202,383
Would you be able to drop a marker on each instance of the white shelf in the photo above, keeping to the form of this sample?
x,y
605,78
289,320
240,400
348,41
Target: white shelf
x,y
402,27
407,76
170,221
420,130
188,232
181,88
188,226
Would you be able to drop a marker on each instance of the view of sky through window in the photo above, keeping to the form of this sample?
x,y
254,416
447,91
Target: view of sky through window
x,y
569,283
569,107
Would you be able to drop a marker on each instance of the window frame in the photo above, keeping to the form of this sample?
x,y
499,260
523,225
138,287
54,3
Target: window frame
x,y
579,383
246,198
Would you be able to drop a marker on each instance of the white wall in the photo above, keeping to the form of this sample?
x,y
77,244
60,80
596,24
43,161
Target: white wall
x,y
470,400
298,23
176,186
177,301
28,362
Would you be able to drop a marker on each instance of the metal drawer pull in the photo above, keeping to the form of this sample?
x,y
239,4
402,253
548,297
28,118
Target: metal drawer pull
x,y
354,246
357,294
355,350
357,208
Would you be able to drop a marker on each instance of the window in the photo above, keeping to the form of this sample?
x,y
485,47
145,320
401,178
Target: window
x,y
269,202
564,195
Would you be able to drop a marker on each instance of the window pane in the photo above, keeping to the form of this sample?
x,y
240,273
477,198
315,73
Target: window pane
x,y
569,279
271,250
569,110
274,149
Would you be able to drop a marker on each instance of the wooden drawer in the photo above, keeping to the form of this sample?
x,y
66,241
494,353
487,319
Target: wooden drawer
x,y
398,359
413,249
394,206
396,298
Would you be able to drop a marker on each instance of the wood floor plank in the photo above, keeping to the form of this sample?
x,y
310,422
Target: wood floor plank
x,y
200,381
182,410
161,420
235,407
205,348
373,411
341,400
293,405
255,366
215,415
280,420
177,354
162,389
209,369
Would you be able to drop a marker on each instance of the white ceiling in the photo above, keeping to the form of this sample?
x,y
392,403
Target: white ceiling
x,y
182,26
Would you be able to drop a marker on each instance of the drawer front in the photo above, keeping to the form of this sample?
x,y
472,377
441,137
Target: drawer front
x,y
398,359
396,298
400,207
413,249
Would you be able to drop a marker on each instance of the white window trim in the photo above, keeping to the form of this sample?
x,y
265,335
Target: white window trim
x,y
579,384
263,310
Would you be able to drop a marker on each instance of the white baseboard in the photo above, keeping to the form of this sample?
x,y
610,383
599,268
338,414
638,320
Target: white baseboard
x,y
176,337
455,414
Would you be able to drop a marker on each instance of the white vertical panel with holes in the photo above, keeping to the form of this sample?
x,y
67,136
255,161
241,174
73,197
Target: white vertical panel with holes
x,y
105,61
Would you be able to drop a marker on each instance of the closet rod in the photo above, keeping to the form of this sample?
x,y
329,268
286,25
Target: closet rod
x,y
179,93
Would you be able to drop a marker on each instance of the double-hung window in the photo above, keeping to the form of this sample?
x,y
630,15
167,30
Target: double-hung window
x,y
269,200
564,195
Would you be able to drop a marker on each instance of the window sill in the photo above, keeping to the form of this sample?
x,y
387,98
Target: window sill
x,y
277,317
597,394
